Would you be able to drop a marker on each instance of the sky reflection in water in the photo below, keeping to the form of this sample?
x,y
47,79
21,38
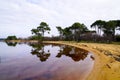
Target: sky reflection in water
x,y
43,62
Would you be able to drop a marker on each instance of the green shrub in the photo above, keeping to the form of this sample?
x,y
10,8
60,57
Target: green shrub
x,y
11,38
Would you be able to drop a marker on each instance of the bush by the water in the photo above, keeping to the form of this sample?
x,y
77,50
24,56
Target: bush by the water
x,y
11,38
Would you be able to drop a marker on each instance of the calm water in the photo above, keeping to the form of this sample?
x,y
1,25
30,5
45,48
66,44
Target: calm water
x,y
43,62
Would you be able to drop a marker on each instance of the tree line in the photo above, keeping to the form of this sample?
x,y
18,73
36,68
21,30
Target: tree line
x,y
72,32
104,32
108,27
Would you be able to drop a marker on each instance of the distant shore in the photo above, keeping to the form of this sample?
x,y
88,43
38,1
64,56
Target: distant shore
x,y
107,58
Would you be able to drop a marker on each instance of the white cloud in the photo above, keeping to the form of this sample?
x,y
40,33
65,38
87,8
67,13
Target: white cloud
x,y
20,16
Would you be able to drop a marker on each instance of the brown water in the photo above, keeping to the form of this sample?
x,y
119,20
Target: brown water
x,y
43,62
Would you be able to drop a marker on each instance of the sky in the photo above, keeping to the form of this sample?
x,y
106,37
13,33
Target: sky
x,y
18,17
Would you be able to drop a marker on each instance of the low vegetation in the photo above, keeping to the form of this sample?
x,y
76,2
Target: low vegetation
x,y
11,38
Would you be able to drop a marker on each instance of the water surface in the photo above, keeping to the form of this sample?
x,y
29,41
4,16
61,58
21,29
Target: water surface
x,y
43,62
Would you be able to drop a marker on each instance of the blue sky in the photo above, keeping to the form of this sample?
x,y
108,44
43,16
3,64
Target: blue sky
x,y
18,17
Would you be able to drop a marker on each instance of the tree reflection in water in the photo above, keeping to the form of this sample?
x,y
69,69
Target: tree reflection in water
x,y
11,43
75,53
50,62
38,50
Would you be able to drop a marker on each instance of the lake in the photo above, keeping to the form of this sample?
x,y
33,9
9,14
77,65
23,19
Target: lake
x,y
33,61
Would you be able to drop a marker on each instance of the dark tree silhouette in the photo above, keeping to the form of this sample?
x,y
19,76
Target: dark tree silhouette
x,y
41,29
73,32
60,32
99,24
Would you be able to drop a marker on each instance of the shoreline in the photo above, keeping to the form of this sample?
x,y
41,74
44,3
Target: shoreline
x,y
106,64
